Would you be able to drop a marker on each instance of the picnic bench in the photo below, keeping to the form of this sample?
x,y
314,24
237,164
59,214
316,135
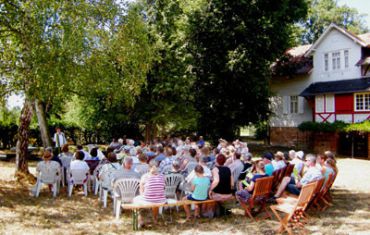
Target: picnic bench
x,y
169,203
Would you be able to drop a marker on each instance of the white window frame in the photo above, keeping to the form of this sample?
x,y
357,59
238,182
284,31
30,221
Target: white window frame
x,y
293,104
346,58
326,62
335,58
363,97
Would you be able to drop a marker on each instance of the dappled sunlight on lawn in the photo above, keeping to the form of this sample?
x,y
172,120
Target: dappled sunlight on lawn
x,y
21,213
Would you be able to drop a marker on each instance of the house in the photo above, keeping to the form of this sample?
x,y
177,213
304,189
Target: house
x,y
327,81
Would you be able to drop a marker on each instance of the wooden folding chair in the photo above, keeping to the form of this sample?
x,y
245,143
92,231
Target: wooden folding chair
x,y
261,192
323,195
289,170
275,182
317,193
293,207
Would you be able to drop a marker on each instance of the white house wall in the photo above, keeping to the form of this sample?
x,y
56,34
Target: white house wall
x,y
334,41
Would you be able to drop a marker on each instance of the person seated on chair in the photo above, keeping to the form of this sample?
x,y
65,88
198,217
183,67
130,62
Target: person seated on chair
x,y
107,170
296,160
79,163
168,160
65,156
293,185
278,163
269,168
222,184
128,172
199,188
152,190
93,155
248,184
143,166
47,165
247,163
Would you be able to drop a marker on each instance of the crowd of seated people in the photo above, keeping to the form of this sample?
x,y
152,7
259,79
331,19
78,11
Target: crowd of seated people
x,y
213,177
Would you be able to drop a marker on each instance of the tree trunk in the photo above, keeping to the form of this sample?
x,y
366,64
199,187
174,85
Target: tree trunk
x,y
22,143
43,126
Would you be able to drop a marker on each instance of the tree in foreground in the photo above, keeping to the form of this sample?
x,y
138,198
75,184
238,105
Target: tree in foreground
x,y
233,44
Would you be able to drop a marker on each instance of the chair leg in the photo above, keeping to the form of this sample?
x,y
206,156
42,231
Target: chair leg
x,y
38,188
283,222
96,188
85,189
105,196
55,189
118,208
70,188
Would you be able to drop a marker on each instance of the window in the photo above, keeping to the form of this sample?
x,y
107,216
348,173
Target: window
x,y
326,61
362,102
294,104
346,59
335,57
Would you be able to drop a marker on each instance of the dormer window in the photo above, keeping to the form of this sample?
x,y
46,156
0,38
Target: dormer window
x,y
335,56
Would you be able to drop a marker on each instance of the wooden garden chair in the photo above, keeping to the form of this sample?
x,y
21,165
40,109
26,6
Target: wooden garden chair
x,y
293,207
317,192
276,180
323,195
289,170
261,192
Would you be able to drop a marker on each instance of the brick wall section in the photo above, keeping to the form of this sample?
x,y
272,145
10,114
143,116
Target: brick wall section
x,y
290,137
318,142
323,141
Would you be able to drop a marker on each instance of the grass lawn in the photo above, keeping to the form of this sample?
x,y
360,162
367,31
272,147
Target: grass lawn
x,y
23,214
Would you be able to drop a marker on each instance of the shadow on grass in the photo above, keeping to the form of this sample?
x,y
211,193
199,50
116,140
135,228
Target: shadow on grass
x,y
78,214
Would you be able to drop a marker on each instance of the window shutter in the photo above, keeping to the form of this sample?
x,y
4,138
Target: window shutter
x,y
300,105
286,104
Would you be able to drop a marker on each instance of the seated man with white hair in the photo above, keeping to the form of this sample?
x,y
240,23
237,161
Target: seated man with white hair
x,y
294,185
128,172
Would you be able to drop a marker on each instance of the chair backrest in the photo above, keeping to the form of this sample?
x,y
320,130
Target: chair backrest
x,y
126,189
172,182
282,173
78,176
327,185
262,187
319,185
49,176
306,195
276,180
166,169
289,169
66,160
97,170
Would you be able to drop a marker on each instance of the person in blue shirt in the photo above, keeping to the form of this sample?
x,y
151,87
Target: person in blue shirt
x,y
267,158
199,187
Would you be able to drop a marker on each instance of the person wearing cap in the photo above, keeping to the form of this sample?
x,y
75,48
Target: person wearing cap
x,y
269,168
297,160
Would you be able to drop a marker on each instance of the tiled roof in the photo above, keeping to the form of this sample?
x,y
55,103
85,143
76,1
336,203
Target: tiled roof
x,y
365,38
337,87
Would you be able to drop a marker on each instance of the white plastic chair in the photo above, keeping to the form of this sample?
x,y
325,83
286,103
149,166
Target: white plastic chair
x,y
95,178
166,169
48,177
172,182
66,162
124,191
107,184
77,177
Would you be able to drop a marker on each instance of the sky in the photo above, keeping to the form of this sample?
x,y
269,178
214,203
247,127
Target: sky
x,y
362,6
